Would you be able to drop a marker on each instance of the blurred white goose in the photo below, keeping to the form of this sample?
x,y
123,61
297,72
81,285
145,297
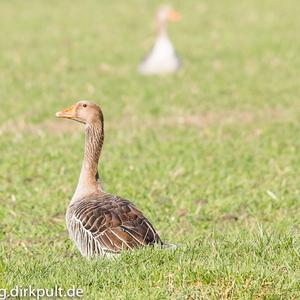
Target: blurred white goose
x,y
162,58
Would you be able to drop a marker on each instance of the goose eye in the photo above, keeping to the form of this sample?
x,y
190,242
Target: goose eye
x,y
84,105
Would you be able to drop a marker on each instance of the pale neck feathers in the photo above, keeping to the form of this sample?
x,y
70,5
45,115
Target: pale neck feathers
x,y
89,179
162,27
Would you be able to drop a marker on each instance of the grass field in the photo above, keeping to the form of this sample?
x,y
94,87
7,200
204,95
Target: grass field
x,y
211,154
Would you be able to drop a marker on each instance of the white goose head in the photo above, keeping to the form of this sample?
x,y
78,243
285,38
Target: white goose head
x,y
165,14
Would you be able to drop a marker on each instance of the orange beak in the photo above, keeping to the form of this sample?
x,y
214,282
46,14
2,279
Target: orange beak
x,y
174,16
68,113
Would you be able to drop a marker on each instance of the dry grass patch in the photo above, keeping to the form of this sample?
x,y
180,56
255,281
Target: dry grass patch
x,y
201,120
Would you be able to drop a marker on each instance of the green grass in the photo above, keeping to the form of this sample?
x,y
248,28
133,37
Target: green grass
x,y
211,155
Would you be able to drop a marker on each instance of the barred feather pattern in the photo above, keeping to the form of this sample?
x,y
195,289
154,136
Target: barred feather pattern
x,y
93,145
103,225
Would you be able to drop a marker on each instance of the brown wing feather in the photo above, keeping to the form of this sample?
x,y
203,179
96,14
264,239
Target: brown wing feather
x,y
111,223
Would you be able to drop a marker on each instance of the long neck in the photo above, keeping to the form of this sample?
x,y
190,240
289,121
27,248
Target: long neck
x,y
162,27
89,178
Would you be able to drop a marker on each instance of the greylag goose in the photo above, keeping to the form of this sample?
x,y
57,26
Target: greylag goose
x,y
162,58
99,223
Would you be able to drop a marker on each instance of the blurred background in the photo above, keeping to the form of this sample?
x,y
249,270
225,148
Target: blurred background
x,y
234,55
208,153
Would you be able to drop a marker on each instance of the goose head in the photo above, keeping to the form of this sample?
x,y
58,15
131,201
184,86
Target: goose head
x,y
165,14
85,112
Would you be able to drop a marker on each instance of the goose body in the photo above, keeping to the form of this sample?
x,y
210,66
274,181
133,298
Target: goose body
x,y
162,59
99,223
